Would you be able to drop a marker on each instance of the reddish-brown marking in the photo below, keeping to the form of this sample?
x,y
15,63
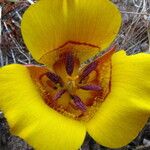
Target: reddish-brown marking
x,y
72,42
77,43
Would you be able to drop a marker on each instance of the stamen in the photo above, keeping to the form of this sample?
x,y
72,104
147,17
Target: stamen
x,y
92,66
58,95
69,64
91,87
78,102
54,78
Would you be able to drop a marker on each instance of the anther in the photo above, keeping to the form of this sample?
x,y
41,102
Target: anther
x,y
54,78
92,66
78,102
58,95
91,87
69,63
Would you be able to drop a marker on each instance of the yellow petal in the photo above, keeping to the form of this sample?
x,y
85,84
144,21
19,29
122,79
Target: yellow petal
x,y
127,108
86,27
30,118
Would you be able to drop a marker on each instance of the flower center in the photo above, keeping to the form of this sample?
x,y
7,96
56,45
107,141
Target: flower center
x,y
76,93
71,84
74,96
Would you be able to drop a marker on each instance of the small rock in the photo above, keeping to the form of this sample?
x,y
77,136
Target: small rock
x,y
136,50
144,47
146,142
125,18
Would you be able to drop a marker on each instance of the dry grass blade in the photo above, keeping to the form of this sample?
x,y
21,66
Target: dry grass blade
x,y
136,16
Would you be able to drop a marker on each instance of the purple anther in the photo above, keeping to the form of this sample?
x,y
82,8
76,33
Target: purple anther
x,y
58,95
92,66
78,102
54,78
91,87
69,63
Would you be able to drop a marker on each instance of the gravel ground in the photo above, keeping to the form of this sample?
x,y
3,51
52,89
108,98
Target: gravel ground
x,y
134,37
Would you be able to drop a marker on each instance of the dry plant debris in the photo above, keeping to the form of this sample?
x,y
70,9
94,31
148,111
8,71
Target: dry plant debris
x,y
134,37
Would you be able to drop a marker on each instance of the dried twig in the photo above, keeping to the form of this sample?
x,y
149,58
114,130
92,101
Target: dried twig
x,y
1,55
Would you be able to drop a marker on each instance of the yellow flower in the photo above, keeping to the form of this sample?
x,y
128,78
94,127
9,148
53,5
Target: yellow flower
x,y
53,107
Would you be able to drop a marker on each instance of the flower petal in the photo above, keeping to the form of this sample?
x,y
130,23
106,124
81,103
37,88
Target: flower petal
x,y
89,26
30,118
127,108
